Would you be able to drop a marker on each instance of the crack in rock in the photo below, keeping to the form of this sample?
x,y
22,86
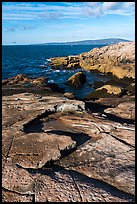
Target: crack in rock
x,y
54,131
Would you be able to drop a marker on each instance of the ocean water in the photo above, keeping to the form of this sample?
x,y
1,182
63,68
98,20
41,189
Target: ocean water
x,y
32,60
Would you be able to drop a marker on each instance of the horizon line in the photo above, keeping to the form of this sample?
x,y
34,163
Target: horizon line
x,y
14,43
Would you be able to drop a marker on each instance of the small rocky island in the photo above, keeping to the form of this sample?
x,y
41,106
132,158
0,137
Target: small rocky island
x,y
58,148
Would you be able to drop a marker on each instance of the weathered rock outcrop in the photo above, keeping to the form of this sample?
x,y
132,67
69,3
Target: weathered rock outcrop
x,y
124,110
69,62
105,92
54,150
59,61
60,150
43,147
77,79
117,59
23,79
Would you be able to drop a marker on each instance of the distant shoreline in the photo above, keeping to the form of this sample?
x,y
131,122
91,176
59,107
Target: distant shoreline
x,y
107,41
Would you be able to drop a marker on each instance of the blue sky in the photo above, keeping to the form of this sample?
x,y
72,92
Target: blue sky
x,y
41,22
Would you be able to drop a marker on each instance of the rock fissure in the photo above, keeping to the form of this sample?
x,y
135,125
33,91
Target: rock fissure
x,y
84,137
8,152
77,187
120,140
56,148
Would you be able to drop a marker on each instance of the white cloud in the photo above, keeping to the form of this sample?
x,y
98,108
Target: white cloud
x,y
37,10
92,11
20,27
105,8
111,5
30,11
129,4
92,4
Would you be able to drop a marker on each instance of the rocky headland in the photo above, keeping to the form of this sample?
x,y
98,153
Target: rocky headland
x,y
56,148
117,59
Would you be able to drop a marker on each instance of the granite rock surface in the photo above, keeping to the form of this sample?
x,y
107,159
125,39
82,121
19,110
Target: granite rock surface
x,y
55,149
117,60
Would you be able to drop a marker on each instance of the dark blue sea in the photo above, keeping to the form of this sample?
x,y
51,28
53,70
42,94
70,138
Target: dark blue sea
x,y
32,60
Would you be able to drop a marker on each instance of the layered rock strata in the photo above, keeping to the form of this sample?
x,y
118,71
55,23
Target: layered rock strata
x,y
54,150
57,149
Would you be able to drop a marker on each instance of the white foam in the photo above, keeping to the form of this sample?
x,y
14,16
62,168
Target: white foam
x,y
49,60
57,70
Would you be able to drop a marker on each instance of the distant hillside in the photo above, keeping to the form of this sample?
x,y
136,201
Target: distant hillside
x,y
91,42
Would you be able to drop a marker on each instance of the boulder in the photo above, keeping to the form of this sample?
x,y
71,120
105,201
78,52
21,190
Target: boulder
x,y
77,79
105,92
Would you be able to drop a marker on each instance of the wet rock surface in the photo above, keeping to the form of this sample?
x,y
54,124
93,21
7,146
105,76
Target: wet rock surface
x,y
55,149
